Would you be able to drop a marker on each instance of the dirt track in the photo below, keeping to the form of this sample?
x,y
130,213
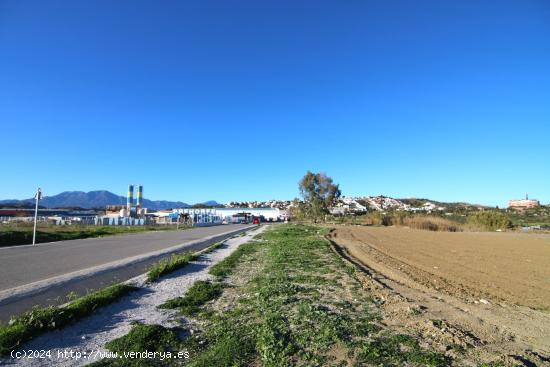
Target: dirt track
x,y
488,291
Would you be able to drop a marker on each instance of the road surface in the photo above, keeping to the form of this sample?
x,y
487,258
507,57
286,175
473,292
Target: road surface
x,y
24,266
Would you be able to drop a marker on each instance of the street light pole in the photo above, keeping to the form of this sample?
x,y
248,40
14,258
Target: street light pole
x,y
38,197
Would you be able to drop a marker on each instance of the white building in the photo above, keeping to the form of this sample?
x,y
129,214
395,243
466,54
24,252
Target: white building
x,y
226,214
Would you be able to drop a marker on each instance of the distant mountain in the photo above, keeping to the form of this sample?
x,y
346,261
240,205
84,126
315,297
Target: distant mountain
x,y
93,199
212,203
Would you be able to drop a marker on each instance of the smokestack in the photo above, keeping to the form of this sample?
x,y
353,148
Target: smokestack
x,y
130,198
139,197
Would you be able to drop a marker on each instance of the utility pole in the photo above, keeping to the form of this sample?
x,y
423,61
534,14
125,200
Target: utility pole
x,y
38,196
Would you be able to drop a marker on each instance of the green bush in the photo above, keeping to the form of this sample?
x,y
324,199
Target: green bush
x,y
490,220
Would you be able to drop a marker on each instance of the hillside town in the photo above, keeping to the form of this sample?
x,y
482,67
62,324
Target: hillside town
x,y
347,204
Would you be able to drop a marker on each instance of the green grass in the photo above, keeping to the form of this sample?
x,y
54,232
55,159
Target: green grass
x,y
398,350
226,267
141,338
213,247
41,320
200,293
174,262
227,345
21,234
153,338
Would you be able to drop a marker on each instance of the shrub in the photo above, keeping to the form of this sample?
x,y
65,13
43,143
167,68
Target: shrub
x,y
490,220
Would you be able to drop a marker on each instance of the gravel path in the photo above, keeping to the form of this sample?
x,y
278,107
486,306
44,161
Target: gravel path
x,y
90,335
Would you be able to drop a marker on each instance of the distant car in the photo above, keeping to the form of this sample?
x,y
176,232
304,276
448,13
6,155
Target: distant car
x,y
256,220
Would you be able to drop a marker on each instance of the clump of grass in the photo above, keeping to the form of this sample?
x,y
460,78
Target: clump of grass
x,y
40,320
225,267
225,344
151,338
213,247
166,266
398,350
199,293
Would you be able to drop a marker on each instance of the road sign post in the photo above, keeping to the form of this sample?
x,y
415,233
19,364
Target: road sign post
x,y
38,196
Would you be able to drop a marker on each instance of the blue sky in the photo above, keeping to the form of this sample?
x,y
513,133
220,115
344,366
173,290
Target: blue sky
x,y
237,100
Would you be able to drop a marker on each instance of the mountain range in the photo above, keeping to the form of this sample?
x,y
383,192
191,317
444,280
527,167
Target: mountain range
x,y
96,199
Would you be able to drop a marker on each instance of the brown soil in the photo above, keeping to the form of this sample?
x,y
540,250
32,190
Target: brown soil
x,y
489,292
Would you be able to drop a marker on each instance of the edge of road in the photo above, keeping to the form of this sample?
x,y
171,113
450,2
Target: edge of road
x,y
34,289
85,238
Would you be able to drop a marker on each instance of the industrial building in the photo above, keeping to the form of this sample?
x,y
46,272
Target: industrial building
x,y
126,215
233,215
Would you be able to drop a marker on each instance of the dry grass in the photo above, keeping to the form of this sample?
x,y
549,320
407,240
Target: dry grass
x,y
425,222
431,224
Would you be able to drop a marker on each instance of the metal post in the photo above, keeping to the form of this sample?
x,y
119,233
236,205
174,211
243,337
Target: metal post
x,y
38,196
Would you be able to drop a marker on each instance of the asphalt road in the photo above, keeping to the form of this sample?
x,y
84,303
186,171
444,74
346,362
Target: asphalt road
x,y
22,265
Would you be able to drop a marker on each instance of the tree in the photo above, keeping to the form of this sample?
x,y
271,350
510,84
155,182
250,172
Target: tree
x,y
319,193
297,210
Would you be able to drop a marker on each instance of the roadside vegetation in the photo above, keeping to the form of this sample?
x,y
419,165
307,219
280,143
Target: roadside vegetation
x,y
174,262
43,319
200,293
287,299
152,338
177,261
21,233
141,338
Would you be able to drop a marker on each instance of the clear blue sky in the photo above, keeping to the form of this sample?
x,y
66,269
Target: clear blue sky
x,y
235,100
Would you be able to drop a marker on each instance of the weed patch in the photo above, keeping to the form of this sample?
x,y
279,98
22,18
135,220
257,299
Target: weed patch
x,y
174,262
200,293
226,267
398,350
152,338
